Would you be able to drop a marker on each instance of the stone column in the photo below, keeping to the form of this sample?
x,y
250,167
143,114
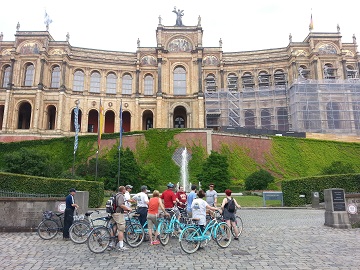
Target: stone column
x,y
6,111
199,62
11,84
343,62
59,114
137,83
41,84
37,110
315,68
222,79
63,75
159,91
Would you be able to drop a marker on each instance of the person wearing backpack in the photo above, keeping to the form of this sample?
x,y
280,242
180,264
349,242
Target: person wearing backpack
x,y
229,206
119,217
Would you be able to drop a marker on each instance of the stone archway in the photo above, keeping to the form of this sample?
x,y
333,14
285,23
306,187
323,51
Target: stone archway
x,y
147,120
180,117
24,116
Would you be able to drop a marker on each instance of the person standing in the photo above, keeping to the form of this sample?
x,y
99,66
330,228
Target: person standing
x,y
142,204
169,197
127,196
229,214
190,198
199,207
211,196
69,213
154,203
119,217
182,199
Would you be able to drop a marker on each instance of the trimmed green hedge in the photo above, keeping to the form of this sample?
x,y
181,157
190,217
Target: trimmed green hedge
x,y
42,185
292,189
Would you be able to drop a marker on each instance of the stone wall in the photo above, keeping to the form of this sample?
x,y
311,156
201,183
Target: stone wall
x,y
25,214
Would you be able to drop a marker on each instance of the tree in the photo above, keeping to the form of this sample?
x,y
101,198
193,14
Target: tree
x,y
259,180
215,170
338,167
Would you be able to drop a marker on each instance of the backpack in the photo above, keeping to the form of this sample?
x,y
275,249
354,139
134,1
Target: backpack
x,y
231,205
111,204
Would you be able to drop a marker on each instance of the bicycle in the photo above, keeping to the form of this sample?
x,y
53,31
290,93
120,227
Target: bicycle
x,y
49,227
79,231
173,226
238,221
192,236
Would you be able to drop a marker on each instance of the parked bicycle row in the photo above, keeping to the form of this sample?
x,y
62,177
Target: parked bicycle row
x,y
153,221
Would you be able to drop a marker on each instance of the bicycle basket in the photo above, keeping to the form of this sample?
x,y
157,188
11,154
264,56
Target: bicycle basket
x,y
48,214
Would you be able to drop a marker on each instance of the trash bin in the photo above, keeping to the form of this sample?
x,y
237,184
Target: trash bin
x,y
315,199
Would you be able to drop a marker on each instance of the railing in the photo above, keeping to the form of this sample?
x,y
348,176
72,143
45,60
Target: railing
x,y
6,193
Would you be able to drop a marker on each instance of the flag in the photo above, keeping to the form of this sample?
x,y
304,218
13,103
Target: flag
x,y
311,25
101,123
121,125
76,125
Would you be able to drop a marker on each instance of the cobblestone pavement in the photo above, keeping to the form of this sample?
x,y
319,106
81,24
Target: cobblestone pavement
x,y
272,239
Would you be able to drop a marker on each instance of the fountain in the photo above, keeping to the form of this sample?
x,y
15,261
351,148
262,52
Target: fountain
x,y
184,171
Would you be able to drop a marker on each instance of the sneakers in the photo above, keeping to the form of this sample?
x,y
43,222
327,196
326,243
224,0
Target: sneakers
x,y
122,248
236,238
156,242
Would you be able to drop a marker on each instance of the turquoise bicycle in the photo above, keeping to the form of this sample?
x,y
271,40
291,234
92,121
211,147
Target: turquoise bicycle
x,y
192,236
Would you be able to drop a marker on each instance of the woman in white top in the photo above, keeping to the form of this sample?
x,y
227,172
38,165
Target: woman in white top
x,y
198,208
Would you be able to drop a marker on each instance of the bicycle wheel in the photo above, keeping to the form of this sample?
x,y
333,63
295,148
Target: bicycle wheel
x,y
239,225
222,235
99,239
48,229
189,240
79,232
134,235
164,237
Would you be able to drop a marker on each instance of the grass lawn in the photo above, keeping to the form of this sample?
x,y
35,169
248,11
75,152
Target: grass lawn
x,y
244,201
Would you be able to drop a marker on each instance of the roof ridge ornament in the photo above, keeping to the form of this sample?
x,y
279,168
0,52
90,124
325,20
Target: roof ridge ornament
x,y
179,13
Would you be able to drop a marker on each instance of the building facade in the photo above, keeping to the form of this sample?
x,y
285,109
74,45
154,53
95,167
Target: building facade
x,y
306,86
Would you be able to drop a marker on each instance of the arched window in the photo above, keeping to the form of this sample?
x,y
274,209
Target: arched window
x,y
78,84
149,85
265,119
264,79
279,77
126,84
249,119
351,72
247,80
29,75
210,83
55,77
95,82
111,83
232,82
6,76
282,119
179,81
304,72
329,71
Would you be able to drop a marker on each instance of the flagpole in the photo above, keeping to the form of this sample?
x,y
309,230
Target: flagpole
x,y
120,142
76,126
99,138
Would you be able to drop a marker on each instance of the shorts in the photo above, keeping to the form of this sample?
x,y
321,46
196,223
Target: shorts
x,y
152,220
229,216
120,221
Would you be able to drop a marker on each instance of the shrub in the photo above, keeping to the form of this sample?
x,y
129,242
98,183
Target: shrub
x,y
259,180
338,167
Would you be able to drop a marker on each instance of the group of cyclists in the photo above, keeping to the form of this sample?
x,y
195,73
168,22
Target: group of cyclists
x,y
191,205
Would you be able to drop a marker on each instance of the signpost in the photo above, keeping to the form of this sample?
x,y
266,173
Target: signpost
x,y
273,196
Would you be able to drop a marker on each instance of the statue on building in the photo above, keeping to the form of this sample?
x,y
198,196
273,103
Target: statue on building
x,y
179,13
1,36
354,38
290,38
338,28
18,26
138,42
220,42
199,21
159,19
67,37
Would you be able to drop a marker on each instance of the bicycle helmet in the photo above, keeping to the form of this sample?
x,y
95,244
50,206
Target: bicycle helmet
x,y
170,185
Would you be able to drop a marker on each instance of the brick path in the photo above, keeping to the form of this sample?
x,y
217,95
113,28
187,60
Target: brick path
x,y
272,239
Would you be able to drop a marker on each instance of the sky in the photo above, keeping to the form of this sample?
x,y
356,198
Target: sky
x,y
116,25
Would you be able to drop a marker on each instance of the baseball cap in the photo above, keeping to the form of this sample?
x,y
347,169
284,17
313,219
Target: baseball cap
x,y
128,186
144,188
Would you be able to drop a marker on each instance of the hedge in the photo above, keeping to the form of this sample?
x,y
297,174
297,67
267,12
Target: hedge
x,y
292,189
42,185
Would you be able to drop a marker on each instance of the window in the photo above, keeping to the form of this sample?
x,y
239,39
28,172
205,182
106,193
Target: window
x,y
333,115
249,119
264,78
265,119
304,72
179,122
282,118
247,80
6,77
232,82
210,83
55,77
329,71
111,84
351,72
149,85
29,75
179,81
126,84
95,82
78,81
279,77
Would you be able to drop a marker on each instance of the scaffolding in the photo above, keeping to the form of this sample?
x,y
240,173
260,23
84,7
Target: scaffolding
x,y
320,106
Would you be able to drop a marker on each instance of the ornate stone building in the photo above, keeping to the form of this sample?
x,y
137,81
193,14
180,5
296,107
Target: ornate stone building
x,y
306,86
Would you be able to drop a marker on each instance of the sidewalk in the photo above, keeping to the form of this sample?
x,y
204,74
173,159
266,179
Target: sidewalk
x,y
272,239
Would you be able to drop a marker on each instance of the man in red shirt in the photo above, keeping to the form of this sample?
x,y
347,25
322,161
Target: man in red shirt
x,y
169,197
182,198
